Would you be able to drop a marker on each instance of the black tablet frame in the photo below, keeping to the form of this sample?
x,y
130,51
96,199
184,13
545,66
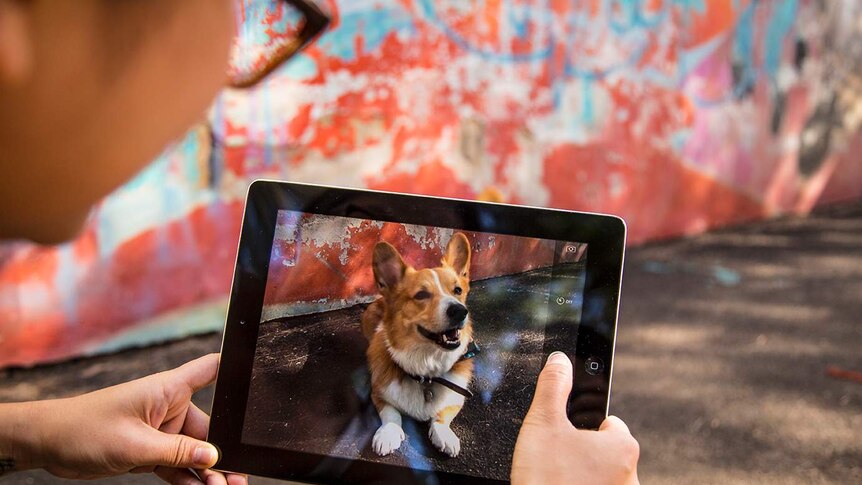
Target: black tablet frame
x,y
604,234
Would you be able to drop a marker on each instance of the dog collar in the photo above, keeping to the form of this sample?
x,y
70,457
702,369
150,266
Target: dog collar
x,y
426,381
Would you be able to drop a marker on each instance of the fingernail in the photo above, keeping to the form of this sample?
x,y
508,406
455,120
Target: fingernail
x,y
556,357
205,456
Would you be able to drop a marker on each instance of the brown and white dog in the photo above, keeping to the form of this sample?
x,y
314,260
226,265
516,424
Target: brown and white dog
x,y
419,330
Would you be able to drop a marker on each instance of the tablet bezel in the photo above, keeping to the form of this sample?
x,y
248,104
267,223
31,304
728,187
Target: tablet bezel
x,y
604,235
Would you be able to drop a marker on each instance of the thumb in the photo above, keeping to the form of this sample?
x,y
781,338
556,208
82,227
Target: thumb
x,y
177,451
198,373
552,389
613,424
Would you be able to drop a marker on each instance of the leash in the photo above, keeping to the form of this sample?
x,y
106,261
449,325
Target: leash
x,y
426,381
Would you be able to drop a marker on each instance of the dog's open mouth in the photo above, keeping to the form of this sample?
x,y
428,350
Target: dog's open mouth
x,y
449,340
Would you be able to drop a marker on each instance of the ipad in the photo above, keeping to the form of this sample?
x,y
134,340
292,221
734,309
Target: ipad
x,y
387,338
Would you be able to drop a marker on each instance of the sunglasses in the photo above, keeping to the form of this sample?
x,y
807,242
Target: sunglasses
x,y
269,32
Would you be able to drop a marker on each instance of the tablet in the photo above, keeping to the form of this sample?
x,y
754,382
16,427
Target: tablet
x,y
386,338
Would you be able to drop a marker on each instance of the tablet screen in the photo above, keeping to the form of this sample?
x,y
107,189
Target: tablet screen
x,y
311,389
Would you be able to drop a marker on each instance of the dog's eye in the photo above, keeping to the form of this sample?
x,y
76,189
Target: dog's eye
x,y
422,295
457,290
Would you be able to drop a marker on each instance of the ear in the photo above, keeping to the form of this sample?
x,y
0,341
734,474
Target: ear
x,y
388,266
16,48
458,255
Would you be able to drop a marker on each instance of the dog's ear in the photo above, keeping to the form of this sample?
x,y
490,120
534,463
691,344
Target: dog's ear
x,y
388,266
458,255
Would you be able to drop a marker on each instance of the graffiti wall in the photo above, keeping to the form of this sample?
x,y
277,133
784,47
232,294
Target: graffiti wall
x,y
678,115
322,263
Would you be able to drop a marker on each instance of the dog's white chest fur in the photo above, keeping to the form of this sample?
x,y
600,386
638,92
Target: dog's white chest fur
x,y
408,396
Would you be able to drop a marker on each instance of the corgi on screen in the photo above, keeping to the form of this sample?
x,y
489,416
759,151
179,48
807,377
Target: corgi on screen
x,y
420,344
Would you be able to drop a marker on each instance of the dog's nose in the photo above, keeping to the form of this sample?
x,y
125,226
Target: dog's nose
x,y
456,312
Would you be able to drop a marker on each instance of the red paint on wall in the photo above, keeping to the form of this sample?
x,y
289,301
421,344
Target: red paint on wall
x,y
432,178
168,267
327,267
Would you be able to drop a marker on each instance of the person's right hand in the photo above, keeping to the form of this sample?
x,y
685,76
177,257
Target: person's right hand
x,y
550,450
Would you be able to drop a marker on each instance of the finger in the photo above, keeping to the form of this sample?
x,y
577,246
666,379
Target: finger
x,y
177,476
212,477
175,451
197,423
198,373
552,389
236,479
614,424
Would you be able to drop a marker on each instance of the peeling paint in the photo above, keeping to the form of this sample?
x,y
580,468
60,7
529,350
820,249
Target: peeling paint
x,y
678,115
320,280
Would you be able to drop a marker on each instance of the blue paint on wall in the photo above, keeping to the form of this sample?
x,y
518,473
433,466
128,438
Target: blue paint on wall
x,y
540,16
371,25
300,68
780,23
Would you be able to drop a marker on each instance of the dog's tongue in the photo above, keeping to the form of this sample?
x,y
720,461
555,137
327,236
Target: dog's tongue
x,y
452,335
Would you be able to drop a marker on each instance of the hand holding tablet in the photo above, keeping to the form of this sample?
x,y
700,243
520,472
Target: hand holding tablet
x,y
376,337
551,451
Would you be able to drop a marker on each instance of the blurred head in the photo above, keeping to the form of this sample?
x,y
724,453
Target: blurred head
x,y
92,90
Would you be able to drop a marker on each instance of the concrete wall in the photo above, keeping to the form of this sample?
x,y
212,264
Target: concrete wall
x,y
679,115
322,263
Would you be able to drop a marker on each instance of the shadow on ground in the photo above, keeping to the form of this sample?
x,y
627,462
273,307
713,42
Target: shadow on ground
x,y
722,351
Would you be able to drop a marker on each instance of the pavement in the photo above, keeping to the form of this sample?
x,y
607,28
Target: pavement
x,y
735,356
323,354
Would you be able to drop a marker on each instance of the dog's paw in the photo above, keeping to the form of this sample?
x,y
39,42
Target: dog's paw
x,y
444,439
387,439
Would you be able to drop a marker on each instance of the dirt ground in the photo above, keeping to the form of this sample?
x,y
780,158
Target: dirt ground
x,y
721,366
324,355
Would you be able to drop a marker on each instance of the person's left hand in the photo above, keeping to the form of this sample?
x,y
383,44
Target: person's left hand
x,y
146,425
